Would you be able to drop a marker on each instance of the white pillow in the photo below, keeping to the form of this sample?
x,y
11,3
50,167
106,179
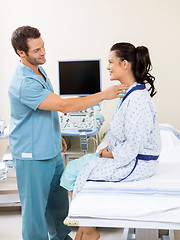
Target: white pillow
x,y
169,136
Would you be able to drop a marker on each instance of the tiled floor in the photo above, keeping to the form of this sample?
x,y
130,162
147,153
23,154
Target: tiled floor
x,y
10,224
10,227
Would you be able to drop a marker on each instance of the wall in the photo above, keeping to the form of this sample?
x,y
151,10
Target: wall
x,y
75,29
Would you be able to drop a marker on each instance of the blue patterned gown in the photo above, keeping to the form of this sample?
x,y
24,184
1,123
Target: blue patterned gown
x,y
134,139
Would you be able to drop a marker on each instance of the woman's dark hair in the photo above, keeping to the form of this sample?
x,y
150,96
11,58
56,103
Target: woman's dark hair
x,y
140,63
20,36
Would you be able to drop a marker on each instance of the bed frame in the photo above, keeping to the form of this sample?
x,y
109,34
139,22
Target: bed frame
x,y
139,230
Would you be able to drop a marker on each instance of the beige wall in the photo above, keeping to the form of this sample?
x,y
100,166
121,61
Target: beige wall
x,y
75,29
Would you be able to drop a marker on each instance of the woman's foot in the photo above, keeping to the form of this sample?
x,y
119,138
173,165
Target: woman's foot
x,y
87,233
79,234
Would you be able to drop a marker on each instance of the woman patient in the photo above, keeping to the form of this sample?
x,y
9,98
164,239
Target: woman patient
x,y
133,144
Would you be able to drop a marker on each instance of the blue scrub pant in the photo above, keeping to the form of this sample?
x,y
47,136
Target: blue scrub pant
x,y
44,202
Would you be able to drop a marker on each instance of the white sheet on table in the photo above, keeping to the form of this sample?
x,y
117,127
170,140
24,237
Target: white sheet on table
x,y
153,199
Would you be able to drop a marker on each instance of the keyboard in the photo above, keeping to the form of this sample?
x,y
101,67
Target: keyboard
x,y
77,121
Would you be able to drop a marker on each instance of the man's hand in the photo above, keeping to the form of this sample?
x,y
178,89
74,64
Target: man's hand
x,y
105,153
116,91
64,145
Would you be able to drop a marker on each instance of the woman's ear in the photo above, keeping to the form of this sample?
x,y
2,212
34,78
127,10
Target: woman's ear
x,y
125,64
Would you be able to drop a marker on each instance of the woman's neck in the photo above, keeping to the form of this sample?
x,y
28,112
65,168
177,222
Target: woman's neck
x,y
128,80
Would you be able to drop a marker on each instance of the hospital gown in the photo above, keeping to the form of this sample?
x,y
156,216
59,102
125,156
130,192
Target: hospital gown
x,y
133,130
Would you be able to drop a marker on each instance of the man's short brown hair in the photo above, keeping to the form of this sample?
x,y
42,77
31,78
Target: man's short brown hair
x,y
20,36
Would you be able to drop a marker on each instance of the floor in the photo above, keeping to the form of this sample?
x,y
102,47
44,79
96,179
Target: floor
x,y
10,227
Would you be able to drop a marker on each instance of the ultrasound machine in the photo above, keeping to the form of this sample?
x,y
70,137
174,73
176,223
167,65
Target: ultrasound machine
x,y
79,78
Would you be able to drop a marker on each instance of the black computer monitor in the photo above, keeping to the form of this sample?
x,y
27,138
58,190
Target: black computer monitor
x,y
79,77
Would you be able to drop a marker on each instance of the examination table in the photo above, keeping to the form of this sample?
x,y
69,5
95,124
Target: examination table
x,y
146,205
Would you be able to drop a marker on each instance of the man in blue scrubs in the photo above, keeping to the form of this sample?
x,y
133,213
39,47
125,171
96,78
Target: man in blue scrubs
x,y
35,138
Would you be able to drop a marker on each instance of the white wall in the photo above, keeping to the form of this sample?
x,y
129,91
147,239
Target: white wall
x,y
75,29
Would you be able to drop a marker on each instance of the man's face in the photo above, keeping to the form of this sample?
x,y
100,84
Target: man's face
x,y
36,52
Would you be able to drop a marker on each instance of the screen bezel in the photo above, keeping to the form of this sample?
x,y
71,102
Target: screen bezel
x,y
78,60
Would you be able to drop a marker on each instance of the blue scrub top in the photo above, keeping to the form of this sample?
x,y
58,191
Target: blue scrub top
x,y
34,133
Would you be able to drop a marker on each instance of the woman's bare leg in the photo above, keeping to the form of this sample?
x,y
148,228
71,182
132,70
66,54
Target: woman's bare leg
x,y
87,233
70,194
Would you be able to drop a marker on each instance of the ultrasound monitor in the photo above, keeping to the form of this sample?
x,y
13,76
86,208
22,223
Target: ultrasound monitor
x,y
79,77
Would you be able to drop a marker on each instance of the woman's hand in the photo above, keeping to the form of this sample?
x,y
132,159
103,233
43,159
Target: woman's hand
x,y
64,145
105,153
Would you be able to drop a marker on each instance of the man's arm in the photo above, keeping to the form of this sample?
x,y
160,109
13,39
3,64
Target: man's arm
x,y
54,102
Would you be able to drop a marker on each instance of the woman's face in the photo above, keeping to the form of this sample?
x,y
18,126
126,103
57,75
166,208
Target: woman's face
x,y
115,67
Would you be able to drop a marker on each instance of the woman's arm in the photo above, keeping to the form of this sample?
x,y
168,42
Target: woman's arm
x,y
136,124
